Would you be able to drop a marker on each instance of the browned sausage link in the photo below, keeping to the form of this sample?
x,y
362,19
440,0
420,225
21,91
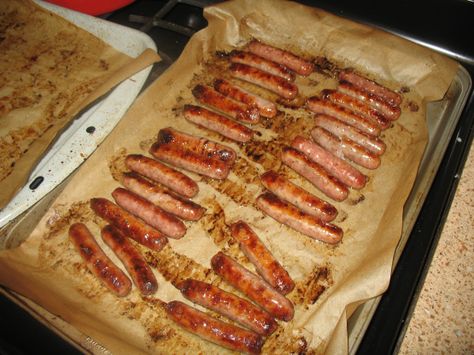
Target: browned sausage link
x,y
370,86
171,178
214,330
217,123
265,107
325,107
337,167
253,287
268,81
258,254
345,148
298,196
288,59
229,305
294,218
190,161
390,111
357,106
261,63
201,146
210,97
128,224
153,215
343,130
99,264
170,202
131,258
315,174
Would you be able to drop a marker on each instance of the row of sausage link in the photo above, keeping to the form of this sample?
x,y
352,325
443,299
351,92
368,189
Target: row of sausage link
x,y
156,197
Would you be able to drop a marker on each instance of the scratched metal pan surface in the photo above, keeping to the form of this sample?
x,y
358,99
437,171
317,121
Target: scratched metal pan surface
x,y
442,118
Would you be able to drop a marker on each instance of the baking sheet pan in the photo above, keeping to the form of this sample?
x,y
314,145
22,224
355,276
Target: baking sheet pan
x,y
92,125
442,117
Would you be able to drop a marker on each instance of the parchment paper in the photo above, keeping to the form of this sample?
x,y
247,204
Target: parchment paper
x,y
330,281
50,71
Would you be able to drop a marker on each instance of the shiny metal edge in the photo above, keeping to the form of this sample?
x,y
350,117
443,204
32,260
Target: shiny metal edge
x,y
442,118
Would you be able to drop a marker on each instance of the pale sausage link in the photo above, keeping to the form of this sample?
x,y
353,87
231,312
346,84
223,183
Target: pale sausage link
x,y
170,202
343,130
217,123
261,63
390,111
314,173
371,86
325,107
171,178
345,148
298,220
268,81
150,213
286,58
335,166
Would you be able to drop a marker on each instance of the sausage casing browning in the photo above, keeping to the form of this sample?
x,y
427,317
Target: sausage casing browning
x,y
337,167
210,97
268,81
261,63
168,201
253,287
315,174
217,123
345,148
153,215
357,106
201,146
214,330
258,254
288,59
171,178
229,305
128,224
99,264
390,111
302,222
325,107
131,258
298,196
371,86
343,130
190,161
265,107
